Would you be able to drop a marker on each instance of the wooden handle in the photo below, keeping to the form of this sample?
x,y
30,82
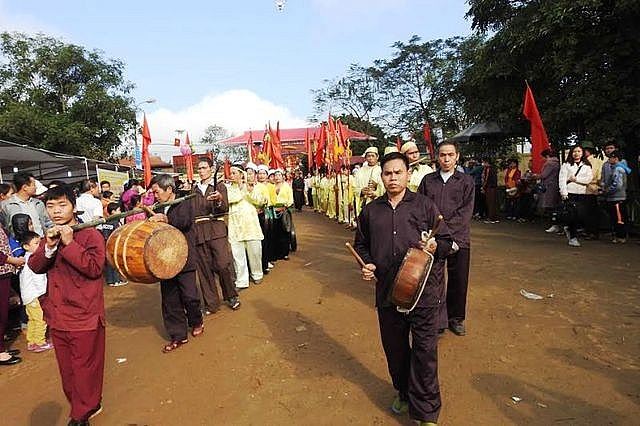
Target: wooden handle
x,y
439,221
355,254
148,211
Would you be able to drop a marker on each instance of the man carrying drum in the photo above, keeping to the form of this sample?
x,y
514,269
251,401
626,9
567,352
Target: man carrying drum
x,y
387,228
180,299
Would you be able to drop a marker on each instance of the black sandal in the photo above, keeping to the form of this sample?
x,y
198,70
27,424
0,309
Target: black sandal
x,y
173,345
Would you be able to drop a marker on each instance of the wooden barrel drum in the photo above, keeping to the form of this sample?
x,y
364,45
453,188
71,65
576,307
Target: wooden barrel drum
x,y
411,279
146,251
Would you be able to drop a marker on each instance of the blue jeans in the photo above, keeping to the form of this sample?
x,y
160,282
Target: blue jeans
x,y
110,274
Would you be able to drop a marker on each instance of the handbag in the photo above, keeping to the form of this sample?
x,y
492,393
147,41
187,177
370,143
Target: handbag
x,y
540,188
568,212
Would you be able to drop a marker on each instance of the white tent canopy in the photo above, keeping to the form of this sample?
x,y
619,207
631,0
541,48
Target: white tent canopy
x,y
48,165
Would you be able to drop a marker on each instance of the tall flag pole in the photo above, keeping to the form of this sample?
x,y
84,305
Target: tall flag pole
x,y
307,144
539,139
250,147
146,161
320,147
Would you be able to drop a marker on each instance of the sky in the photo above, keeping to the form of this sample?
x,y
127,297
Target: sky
x,y
237,64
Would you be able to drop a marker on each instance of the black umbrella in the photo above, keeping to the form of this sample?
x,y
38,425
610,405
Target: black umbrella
x,y
488,129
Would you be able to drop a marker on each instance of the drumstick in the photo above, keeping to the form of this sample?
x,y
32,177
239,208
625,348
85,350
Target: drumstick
x,y
355,254
436,226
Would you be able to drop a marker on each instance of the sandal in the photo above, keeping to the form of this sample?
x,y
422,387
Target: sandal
x,y
173,345
197,330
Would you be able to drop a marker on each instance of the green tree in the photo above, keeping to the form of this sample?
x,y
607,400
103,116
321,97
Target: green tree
x,y
63,97
213,135
579,56
418,84
366,127
354,94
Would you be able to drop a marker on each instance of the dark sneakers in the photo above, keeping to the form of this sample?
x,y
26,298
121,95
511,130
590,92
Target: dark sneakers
x,y
457,327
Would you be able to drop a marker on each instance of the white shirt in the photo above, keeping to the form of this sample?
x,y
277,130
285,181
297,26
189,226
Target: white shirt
x,y
583,174
90,206
446,175
32,285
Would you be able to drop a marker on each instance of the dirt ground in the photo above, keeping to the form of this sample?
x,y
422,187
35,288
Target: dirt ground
x,y
305,349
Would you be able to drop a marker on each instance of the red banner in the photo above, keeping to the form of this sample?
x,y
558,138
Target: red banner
x,y
539,139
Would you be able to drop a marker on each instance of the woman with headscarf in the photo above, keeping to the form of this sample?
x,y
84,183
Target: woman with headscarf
x,y
281,199
245,235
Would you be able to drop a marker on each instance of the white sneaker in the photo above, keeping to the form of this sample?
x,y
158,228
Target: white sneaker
x,y
573,242
553,229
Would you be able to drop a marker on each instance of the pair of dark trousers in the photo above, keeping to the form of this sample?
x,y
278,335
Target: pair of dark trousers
x,y
266,246
491,199
457,284
592,215
214,257
618,218
577,218
413,366
180,296
80,356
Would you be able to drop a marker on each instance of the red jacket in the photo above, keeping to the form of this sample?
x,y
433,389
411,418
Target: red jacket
x,y
74,300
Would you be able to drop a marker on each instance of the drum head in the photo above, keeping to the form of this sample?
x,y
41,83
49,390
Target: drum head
x,y
168,251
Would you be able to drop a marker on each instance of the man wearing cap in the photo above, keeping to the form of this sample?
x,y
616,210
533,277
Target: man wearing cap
x,y
416,170
367,184
210,206
453,193
389,149
24,201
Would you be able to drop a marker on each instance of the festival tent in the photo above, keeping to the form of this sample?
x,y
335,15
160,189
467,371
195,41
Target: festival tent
x,y
48,165
478,131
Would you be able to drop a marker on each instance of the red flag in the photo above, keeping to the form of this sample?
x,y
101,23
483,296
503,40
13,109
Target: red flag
x,y
426,134
539,140
320,147
227,168
307,144
345,143
398,143
276,148
146,161
250,146
189,159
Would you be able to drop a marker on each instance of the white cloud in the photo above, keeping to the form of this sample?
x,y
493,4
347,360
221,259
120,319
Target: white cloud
x,y
22,23
234,110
